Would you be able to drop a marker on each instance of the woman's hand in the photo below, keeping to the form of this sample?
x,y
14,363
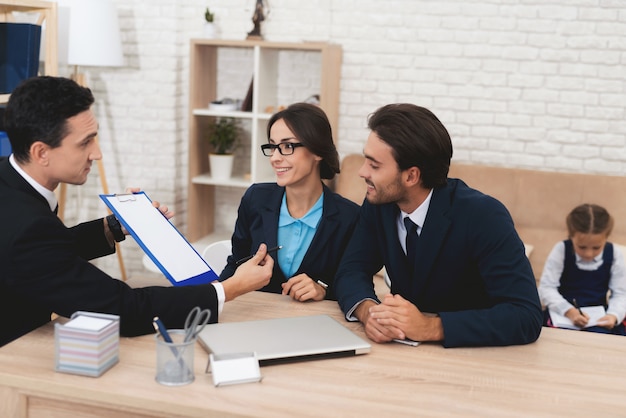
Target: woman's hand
x,y
303,288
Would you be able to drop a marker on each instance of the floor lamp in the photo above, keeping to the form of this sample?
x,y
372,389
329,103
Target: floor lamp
x,y
92,39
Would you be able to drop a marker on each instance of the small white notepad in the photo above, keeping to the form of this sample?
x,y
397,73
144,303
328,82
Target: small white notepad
x,y
88,323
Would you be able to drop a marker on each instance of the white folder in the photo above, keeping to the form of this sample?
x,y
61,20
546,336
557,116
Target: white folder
x,y
158,237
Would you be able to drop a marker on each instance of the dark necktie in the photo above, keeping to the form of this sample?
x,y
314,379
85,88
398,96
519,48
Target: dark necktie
x,y
411,239
56,209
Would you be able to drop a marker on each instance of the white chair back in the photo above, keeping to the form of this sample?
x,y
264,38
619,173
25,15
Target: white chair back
x,y
216,254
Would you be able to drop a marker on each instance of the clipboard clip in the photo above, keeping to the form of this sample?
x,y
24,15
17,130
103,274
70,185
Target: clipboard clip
x,y
125,197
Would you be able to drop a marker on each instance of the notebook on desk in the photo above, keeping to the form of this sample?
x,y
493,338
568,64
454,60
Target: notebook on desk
x,y
283,339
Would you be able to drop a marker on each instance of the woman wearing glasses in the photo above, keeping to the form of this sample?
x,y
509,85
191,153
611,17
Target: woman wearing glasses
x,y
310,223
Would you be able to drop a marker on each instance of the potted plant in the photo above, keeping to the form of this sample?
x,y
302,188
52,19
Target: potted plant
x,y
223,136
209,26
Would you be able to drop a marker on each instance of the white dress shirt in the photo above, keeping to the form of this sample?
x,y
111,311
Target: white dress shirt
x,y
418,216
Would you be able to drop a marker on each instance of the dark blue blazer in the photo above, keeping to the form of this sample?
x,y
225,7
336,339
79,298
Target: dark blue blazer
x,y
257,223
44,268
470,268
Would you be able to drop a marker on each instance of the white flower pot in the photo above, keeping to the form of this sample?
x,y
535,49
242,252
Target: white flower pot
x,y
209,30
221,166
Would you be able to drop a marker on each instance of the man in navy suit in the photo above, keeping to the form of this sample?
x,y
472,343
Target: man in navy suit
x,y
44,265
466,280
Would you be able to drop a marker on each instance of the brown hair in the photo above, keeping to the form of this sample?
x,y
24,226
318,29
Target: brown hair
x,y
589,219
417,139
310,125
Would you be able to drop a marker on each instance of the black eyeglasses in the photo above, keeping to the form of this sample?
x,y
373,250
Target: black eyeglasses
x,y
285,148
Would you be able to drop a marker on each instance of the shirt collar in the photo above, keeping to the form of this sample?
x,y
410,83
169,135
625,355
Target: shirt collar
x,y
47,194
418,216
311,218
599,257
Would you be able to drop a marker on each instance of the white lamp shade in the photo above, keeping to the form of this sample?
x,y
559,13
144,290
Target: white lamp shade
x,y
93,33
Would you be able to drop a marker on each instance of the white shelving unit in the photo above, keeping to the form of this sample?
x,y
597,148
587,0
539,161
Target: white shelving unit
x,y
282,73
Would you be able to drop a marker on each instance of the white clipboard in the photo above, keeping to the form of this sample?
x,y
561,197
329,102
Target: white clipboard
x,y
159,238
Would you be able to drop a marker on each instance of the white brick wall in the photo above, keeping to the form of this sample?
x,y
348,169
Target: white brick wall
x,y
525,83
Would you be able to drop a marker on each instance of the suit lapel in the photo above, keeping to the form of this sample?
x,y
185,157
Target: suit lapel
x,y
329,223
270,211
435,228
398,266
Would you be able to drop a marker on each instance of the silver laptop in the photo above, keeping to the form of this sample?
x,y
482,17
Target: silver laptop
x,y
283,339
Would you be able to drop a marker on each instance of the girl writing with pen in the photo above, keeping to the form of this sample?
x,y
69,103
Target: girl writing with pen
x,y
299,214
581,270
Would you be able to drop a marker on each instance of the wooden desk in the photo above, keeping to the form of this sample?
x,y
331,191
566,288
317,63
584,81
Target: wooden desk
x,y
564,373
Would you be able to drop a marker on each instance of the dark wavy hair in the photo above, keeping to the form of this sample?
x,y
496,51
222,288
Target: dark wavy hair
x,y
38,110
417,138
310,125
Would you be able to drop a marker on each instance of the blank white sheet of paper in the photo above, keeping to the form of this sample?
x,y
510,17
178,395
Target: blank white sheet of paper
x,y
160,239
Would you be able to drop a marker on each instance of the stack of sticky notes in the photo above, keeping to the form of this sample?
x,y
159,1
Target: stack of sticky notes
x,y
88,344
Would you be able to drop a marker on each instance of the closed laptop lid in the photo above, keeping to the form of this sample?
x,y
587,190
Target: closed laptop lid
x,y
283,339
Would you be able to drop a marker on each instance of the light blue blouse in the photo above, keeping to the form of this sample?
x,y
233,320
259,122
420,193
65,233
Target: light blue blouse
x,y
295,235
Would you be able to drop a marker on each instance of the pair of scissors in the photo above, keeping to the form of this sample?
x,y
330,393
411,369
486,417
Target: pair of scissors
x,y
195,322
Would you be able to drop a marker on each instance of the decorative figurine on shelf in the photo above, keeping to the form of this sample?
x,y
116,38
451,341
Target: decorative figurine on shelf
x,y
257,18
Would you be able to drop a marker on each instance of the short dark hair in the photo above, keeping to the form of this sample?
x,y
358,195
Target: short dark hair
x,y
417,138
311,126
38,110
589,219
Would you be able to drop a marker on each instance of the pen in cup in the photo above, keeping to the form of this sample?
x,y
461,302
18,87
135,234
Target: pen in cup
x,y
243,260
160,328
178,355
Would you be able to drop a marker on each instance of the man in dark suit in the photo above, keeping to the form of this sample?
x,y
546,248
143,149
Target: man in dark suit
x,y
44,265
466,280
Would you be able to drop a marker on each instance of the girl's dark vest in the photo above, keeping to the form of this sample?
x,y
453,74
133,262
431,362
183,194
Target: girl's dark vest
x,y
589,288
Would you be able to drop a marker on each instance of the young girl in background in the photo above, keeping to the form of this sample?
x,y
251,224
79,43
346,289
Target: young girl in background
x,y
582,269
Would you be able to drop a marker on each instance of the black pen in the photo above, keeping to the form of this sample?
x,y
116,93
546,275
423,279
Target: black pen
x,y
243,260
577,307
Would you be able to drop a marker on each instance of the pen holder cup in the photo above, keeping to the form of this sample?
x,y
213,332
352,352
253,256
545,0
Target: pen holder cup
x,y
175,359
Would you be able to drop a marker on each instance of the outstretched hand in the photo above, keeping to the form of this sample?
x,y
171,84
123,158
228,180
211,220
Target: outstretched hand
x,y
251,275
